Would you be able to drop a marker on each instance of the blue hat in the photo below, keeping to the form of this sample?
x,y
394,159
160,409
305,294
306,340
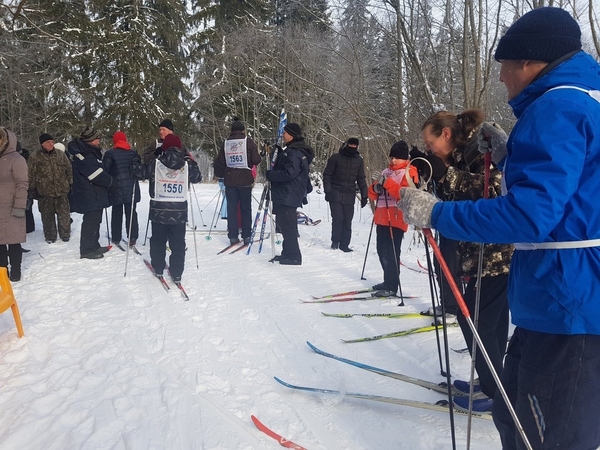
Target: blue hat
x,y
543,34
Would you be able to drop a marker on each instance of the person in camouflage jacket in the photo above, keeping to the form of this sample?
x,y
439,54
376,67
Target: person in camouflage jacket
x,y
50,180
458,173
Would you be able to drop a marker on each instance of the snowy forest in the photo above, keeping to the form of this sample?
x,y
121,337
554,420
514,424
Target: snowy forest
x,y
374,69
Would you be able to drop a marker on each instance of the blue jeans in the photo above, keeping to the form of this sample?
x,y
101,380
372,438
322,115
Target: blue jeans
x,y
553,382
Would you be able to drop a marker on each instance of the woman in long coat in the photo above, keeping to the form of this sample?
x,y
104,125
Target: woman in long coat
x,y
13,200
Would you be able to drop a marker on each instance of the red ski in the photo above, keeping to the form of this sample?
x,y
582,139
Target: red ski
x,y
282,441
159,277
356,297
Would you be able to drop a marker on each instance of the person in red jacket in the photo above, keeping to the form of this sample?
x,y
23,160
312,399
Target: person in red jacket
x,y
389,220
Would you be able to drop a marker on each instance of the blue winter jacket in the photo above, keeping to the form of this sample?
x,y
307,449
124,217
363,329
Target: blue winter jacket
x,y
90,180
552,181
118,163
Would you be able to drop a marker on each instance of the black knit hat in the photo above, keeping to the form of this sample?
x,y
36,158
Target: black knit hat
x,y
543,34
167,124
237,125
353,141
89,134
45,137
399,150
293,129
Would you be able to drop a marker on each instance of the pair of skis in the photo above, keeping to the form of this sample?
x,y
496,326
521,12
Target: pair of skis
x,y
241,246
360,294
164,282
442,388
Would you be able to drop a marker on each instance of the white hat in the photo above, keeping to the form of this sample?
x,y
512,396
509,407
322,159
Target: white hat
x,y
59,146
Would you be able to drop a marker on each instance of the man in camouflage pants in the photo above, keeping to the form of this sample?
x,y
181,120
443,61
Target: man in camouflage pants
x,y
50,179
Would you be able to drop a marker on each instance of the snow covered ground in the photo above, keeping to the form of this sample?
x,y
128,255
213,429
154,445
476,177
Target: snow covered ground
x,y
114,362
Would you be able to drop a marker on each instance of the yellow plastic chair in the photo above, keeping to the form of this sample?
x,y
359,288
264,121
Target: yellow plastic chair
x,y
7,299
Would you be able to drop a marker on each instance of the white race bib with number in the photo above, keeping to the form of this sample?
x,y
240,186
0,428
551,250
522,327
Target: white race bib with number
x,y
236,155
170,185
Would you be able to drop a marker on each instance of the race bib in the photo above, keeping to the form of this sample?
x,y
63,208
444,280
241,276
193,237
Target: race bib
x,y
170,185
236,155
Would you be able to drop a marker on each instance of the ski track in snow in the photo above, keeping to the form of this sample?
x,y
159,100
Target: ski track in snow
x,y
114,362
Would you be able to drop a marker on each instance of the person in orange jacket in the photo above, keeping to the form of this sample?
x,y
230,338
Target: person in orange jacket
x,y
389,220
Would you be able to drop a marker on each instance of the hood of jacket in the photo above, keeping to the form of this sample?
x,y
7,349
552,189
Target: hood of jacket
x,y
580,70
9,145
172,158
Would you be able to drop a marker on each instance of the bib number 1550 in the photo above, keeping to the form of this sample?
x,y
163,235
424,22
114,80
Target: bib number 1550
x,y
173,188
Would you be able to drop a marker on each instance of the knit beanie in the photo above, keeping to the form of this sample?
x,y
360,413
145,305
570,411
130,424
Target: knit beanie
x,y
89,134
167,124
171,140
237,125
293,129
399,150
45,137
120,141
543,34
353,141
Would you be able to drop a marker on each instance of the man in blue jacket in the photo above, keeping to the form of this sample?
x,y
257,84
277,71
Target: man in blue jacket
x,y
550,161
89,195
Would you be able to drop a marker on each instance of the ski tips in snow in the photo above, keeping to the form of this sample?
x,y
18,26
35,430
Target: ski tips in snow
x,y
280,439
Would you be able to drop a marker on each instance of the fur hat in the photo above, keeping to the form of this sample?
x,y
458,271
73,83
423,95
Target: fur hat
x,y
167,124
171,140
237,125
89,134
399,150
543,34
293,129
353,141
45,137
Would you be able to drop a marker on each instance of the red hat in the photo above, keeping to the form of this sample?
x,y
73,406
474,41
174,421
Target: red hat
x,y
120,141
171,140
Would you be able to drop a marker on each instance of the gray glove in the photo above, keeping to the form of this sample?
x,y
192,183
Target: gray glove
x,y
492,138
376,175
416,206
18,212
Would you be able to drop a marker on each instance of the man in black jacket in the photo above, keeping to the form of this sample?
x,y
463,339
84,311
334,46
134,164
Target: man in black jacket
x,y
89,195
234,164
340,177
289,186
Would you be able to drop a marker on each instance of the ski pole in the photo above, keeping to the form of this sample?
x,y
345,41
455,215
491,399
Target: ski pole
x,y
396,254
362,275
463,307
107,229
486,184
193,224
129,231
198,205
212,223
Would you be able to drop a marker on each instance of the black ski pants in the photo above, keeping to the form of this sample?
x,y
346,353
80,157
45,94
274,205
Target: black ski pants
x,y
492,326
90,232
116,222
287,223
12,253
341,223
552,382
175,235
